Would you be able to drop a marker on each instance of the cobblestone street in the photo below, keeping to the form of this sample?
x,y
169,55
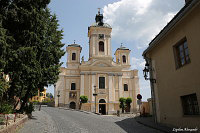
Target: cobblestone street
x,y
54,120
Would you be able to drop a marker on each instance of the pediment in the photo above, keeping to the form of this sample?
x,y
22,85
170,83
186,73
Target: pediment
x,y
101,64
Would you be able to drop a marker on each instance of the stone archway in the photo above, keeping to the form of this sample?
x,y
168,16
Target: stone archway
x,y
102,106
72,105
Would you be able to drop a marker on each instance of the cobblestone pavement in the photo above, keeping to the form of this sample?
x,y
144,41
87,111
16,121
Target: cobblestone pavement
x,y
54,120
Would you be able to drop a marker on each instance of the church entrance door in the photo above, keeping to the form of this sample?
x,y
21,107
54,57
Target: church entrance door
x,y
102,106
72,105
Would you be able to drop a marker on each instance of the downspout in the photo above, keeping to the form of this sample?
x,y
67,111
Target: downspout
x,y
152,88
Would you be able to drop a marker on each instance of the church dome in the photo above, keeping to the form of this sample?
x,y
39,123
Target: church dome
x,y
74,45
99,21
122,48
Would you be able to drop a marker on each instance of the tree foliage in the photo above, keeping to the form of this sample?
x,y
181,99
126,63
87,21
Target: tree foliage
x,y
84,99
122,101
31,40
49,95
128,103
128,100
3,87
125,102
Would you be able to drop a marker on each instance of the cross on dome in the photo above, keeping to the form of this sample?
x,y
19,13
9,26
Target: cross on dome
x,y
99,9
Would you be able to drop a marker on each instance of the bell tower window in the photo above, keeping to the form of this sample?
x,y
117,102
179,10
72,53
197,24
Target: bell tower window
x,y
124,58
101,46
73,56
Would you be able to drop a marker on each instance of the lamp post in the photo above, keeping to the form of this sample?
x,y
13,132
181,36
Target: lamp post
x,y
95,94
58,97
146,71
148,74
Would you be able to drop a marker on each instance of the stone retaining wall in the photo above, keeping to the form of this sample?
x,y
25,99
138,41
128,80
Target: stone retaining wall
x,y
14,126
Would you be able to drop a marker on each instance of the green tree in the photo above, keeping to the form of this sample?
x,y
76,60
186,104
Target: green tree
x,y
83,99
128,104
33,54
4,38
122,101
49,95
3,87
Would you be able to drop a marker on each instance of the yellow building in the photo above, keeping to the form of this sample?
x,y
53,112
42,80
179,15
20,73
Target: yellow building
x,y
40,97
101,75
173,61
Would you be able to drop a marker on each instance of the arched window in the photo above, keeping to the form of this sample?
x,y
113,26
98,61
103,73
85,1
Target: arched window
x,y
124,58
73,56
101,46
125,87
73,86
102,101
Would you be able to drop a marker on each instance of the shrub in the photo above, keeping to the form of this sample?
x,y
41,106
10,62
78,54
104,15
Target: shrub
x,y
35,102
3,86
129,100
84,99
122,101
6,108
47,101
128,104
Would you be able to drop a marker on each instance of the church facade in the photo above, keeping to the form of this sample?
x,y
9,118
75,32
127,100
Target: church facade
x,y
99,75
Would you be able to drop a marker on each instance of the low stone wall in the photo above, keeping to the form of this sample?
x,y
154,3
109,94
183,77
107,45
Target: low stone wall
x,y
14,126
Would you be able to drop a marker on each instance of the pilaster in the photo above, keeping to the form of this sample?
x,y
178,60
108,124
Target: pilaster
x,y
120,86
82,85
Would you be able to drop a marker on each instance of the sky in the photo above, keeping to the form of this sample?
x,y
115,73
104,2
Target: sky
x,y
134,24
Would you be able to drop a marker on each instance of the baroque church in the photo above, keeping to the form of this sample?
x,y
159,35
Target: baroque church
x,y
100,78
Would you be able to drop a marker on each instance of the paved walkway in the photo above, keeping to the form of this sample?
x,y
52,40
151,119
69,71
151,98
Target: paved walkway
x,y
149,122
40,123
54,120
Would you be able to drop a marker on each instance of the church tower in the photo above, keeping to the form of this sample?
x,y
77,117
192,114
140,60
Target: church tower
x,y
122,55
73,55
99,35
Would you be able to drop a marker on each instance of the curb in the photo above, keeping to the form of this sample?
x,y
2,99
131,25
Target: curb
x,y
14,126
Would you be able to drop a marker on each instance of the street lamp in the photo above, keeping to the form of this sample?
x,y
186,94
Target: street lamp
x,y
58,97
146,71
95,94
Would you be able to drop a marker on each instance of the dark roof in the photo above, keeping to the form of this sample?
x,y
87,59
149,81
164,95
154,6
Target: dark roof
x,y
74,45
122,48
171,24
105,25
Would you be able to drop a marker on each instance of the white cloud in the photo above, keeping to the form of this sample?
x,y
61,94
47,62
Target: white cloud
x,y
139,20
137,63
